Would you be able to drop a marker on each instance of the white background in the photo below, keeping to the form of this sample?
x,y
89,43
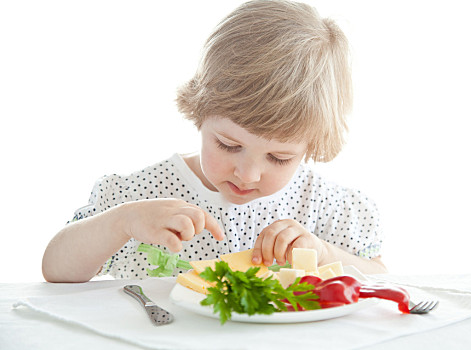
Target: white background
x,y
87,88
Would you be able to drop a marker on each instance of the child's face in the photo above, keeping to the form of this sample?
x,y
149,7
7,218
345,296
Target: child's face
x,y
243,166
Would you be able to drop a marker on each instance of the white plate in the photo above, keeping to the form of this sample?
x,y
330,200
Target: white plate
x,y
190,300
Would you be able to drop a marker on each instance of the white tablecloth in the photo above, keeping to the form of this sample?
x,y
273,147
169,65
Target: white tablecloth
x,y
99,315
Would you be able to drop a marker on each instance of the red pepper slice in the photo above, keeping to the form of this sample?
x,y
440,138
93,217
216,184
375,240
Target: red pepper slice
x,y
347,280
314,280
335,291
388,292
342,290
338,291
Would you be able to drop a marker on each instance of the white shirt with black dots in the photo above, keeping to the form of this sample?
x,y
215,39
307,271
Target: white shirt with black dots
x,y
338,215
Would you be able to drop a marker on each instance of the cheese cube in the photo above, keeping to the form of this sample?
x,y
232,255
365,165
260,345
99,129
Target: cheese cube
x,y
326,274
304,259
194,282
267,274
336,267
312,273
288,276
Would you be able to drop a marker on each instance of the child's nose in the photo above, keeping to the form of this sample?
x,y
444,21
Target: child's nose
x,y
248,171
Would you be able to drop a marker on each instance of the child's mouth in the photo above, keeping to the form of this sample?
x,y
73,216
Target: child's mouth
x,y
237,190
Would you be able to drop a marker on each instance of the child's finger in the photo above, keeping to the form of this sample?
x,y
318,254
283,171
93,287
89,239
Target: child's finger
x,y
196,215
267,244
260,252
206,221
282,242
183,225
170,240
257,250
212,226
270,235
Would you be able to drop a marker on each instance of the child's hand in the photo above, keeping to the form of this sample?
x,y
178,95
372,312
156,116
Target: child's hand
x,y
167,222
277,241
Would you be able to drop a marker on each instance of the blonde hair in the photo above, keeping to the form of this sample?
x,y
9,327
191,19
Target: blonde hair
x,y
280,71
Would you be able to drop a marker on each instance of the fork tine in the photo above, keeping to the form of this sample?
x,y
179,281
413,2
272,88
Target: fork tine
x,y
417,306
433,306
423,307
414,308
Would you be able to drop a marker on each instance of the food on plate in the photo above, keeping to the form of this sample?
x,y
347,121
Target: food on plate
x,y
194,282
337,291
200,265
242,261
342,290
305,259
288,276
235,284
245,293
331,270
327,273
304,263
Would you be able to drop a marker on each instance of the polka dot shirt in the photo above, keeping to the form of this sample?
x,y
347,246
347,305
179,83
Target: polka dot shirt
x,y
340,216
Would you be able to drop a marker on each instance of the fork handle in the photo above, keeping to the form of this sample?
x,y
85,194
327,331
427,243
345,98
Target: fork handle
x,y
136,292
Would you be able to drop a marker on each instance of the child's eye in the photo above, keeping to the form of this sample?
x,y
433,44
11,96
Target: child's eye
x,y
227,148
278,161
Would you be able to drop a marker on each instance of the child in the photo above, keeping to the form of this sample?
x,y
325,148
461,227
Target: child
x,y
272,89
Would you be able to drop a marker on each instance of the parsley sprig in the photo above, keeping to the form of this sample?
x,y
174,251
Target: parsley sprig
x,y
244,292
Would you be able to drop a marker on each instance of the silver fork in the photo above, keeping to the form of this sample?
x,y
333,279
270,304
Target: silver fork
x,y
157,315
424,307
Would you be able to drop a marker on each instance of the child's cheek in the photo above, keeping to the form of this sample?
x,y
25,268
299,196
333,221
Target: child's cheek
x,y
213,165
279,178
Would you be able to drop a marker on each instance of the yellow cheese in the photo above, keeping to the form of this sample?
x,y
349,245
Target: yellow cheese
x,y
267,274
270,273
312,273
288,276
336,267
242,261
326,274
304,259
200,265
194,282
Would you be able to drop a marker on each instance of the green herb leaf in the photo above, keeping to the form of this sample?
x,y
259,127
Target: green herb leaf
x,y
244,292
276,267
166,262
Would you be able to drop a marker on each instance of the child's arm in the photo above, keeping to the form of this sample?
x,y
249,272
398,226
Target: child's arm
x,y
277,240
333,253
79,250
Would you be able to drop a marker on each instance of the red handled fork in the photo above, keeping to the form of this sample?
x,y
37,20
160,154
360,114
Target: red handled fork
x,y
424,307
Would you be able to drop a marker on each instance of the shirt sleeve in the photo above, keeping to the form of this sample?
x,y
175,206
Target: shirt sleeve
x,y
108,192
93,207
350,220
